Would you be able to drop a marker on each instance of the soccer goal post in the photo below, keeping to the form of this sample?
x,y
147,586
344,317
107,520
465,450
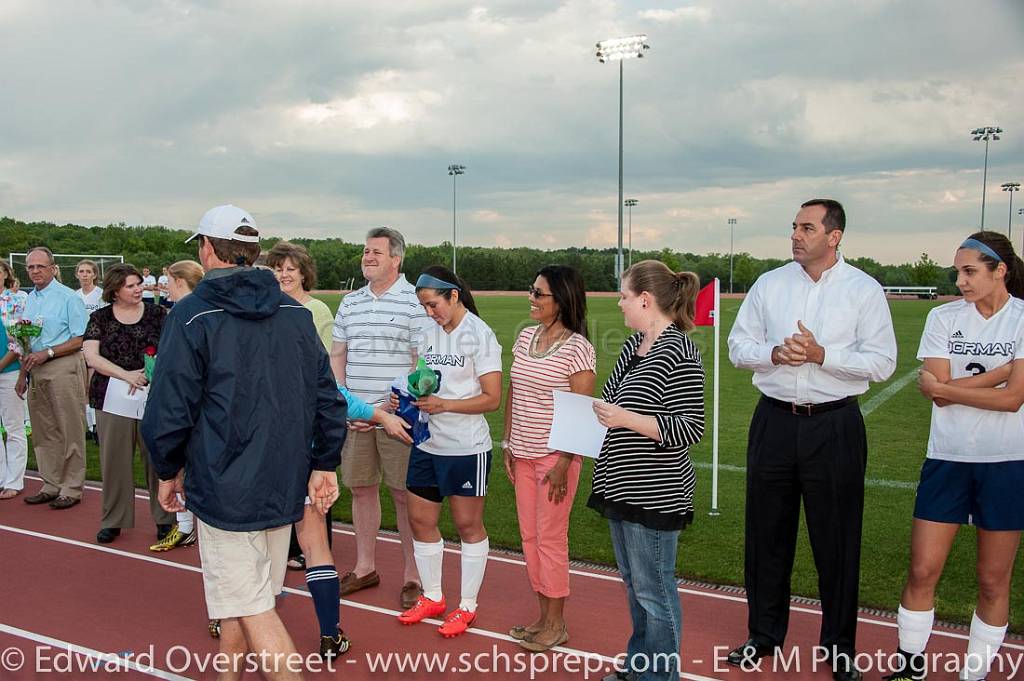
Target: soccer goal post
x,y
66,264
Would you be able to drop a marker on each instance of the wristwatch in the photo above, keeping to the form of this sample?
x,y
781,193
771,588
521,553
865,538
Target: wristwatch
x,y
49,353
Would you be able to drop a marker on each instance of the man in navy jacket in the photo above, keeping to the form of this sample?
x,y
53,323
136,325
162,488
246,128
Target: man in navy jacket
x,y
244,419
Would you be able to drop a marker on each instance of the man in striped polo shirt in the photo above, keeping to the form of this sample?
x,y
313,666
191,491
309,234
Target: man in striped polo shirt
x,y
375,335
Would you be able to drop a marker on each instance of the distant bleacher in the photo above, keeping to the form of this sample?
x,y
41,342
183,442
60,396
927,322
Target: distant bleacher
x,y
922,292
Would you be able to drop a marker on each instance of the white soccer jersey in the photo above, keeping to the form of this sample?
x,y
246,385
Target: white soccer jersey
x,y
974,345
460,359
93,300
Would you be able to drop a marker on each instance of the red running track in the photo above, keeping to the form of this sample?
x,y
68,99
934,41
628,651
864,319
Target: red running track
x,y
124,612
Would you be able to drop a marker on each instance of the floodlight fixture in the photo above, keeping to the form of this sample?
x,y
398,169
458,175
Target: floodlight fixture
x,y
732,233
621,49
985,133
617,49
1010,187
454,170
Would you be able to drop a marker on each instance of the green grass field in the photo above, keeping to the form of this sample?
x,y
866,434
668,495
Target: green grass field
x,y
712,548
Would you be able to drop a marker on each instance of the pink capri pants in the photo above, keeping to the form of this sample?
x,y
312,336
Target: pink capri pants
x,y
544,525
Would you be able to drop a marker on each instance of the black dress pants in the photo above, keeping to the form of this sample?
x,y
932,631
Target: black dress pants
x,y
820,459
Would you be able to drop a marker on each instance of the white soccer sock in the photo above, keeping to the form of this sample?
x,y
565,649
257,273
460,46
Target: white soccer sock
x,y
982,647
185,521
429,558
915,627
474,562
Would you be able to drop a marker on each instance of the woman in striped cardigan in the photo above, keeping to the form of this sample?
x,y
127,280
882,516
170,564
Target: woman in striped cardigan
x,y
643,480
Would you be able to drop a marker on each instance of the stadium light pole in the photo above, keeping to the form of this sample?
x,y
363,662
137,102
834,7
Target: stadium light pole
x,y
1010,187
621,49
985,133
1020,211
629,204
454,170
732,233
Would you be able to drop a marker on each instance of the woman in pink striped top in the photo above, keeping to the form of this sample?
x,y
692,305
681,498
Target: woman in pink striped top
x,y
554,355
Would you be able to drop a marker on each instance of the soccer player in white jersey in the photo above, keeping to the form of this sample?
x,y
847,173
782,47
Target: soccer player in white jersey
x,y
455,460
973,354
87,274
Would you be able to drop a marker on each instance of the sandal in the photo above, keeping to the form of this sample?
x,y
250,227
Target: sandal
x,y
9,493
538,647
297,562
521,632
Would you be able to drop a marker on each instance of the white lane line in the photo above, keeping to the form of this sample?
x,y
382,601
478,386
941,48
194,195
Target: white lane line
x,y
868,482
104,661
887,392
477,631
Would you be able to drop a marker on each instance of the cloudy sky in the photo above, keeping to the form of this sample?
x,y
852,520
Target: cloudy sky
x,y
324,118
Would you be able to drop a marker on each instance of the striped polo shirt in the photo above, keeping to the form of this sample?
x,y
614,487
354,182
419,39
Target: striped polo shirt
x,y
636,478
381,333
534,382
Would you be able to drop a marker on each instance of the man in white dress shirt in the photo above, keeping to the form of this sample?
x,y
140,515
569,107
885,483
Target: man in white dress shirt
x,y
814,332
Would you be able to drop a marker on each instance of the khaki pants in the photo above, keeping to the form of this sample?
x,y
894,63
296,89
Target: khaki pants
x,y
118,437
56,404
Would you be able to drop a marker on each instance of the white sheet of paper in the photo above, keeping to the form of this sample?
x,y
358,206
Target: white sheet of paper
x,y
118,401
575,427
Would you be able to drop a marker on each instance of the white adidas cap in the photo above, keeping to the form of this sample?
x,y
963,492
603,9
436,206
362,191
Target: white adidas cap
x,y
221,222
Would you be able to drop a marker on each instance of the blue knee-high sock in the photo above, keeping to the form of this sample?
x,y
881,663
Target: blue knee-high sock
x,y
322,582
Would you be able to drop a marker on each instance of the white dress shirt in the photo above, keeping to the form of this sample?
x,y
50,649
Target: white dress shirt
x,y
848,314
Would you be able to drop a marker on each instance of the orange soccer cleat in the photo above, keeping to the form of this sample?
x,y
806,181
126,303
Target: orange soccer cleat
x,y
456,623
423,609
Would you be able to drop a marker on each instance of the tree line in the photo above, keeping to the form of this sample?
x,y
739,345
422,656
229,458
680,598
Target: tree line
x,y
484,268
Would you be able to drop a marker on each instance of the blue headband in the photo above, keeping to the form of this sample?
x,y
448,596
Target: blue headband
x,y
981,248
427,281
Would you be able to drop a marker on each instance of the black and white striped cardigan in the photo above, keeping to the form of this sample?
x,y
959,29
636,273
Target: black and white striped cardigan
x,y
636,478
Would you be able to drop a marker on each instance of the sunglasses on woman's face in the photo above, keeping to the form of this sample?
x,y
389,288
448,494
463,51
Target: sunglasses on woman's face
x,y
537,293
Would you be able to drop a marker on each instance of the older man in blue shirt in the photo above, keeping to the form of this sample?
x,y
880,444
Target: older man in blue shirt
x,y
53,374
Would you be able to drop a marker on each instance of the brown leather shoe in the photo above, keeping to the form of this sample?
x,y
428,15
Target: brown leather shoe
x,y
40,498
62,502
350,583
410,592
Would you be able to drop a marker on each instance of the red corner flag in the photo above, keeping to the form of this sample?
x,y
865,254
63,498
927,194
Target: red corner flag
x,y
706,306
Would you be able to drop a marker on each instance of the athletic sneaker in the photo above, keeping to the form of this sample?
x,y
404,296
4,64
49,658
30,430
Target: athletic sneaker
x,y
175,538
423,609
333,646
456,623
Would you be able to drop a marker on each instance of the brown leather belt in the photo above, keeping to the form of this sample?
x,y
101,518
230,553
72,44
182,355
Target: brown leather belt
x,y
808,409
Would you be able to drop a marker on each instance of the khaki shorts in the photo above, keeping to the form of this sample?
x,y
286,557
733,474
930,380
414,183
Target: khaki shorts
x,y
369,457
242,571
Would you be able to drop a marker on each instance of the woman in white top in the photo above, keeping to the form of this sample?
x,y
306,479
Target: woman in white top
x,y
973,354
87,273
455,460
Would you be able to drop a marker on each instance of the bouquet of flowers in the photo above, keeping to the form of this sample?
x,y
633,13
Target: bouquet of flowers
x,y
149,361
21,333
421,382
